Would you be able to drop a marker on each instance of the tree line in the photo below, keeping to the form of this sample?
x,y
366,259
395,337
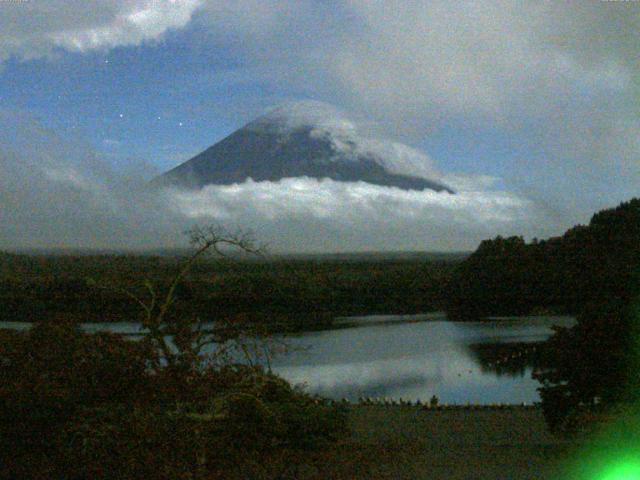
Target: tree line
x,y
289,293
592,271
588,264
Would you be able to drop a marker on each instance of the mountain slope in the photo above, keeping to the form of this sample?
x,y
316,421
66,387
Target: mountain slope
x,y
305,139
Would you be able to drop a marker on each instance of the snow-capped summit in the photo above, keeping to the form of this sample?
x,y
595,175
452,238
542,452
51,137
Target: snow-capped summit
x,y
306,139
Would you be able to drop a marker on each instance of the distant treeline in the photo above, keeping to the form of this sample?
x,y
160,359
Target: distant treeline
x,y
300,293
587,265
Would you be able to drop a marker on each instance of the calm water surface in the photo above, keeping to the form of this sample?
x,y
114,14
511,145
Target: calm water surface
x,y
410,357
414,357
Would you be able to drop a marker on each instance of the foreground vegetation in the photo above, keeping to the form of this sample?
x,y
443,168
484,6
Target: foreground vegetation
x,y
80,406
299,293
587,265
587,371
97,406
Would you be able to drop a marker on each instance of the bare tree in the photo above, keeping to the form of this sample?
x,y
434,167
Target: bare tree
x,y
180,340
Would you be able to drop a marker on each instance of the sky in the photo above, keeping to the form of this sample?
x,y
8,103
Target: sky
x,y
529,108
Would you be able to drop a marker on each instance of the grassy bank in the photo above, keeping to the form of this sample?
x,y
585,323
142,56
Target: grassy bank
x,y
412,443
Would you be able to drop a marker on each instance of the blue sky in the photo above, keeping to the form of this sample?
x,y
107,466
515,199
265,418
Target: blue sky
x,y
147,103
542,97
163,102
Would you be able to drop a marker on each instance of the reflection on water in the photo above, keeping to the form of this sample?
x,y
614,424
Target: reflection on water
x,y
411,357
414,357
514,359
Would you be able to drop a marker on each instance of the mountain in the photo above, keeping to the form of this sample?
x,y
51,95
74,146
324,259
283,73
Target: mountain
x,y
309,139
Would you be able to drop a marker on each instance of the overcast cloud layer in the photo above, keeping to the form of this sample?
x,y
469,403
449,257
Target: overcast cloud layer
x,y
564,73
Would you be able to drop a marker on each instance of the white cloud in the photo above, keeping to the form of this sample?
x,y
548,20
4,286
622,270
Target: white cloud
x,y
314,215
54,193
561,75
253,18
35,29
558,76
487,59
58,193
351,138
470,183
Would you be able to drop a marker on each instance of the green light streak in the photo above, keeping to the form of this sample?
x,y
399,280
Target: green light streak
x,y
624,470
612,451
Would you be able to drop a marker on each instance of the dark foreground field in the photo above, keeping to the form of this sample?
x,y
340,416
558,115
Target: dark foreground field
x,y
409,443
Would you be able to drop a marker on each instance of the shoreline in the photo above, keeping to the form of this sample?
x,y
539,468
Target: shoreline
x,y
426,407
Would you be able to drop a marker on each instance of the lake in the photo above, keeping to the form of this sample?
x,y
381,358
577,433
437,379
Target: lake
x,y
411,357
416,356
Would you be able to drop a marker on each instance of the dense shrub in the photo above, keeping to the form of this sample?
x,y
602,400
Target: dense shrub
x,y
590,367
95,406
588,264
47,375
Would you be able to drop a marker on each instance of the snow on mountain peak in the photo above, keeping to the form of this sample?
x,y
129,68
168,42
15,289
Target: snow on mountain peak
x,y
304,114
327,122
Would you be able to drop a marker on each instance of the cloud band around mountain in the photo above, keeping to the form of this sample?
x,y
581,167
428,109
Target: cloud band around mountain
x,y
58,192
